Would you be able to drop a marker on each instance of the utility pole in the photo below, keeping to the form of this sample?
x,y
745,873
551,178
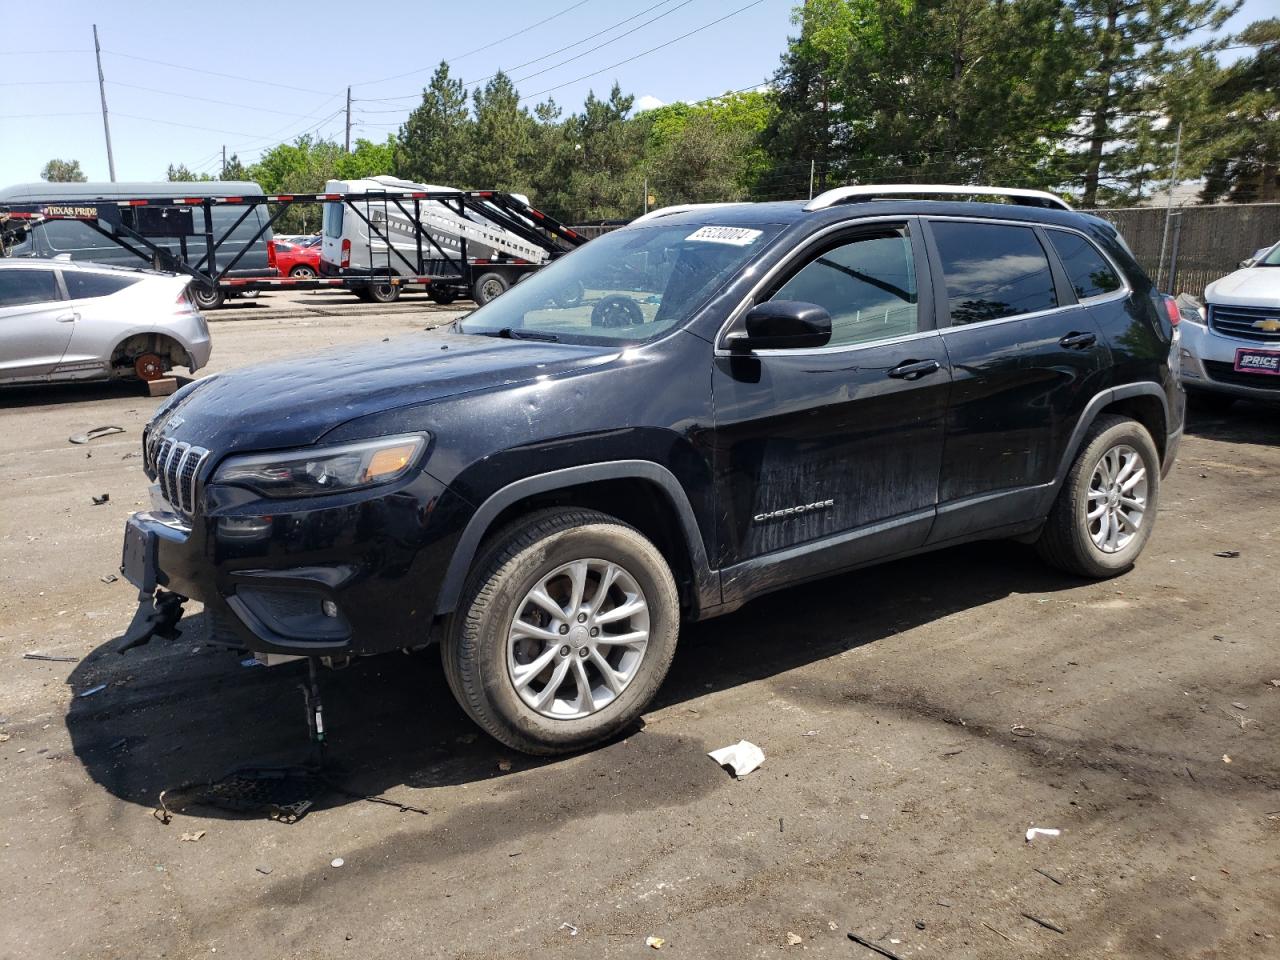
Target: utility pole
x,y
102,90
348,144
1168,207
811,166
224,161
646,193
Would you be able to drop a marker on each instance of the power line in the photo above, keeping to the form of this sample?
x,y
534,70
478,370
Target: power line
x,y
463,56
213,73
645,53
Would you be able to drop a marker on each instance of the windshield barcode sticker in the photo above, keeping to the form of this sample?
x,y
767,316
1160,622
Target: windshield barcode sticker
x,y
737,236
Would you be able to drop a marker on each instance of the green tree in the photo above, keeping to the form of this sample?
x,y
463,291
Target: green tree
x,y
180,174
710,150
435,142
502,138
299,167
63,171
368,159
1129,55
234,169
1236,141
603,150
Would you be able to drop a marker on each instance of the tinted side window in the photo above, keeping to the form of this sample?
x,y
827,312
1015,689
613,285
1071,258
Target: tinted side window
x,y
1087,269
83,285
868,285
27,286
993,271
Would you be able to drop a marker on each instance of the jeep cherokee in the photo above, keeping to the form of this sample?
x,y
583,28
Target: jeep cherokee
x,y
711,403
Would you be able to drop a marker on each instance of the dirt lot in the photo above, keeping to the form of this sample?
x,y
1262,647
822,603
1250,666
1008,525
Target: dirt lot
x,y
917,719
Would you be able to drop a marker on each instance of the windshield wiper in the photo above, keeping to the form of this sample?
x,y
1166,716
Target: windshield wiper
x,y
511,333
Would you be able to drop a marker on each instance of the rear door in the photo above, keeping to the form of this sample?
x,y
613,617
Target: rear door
x,y
97,322
36,323
1026,358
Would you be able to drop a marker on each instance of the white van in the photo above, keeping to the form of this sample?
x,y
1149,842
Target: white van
x,y
496,258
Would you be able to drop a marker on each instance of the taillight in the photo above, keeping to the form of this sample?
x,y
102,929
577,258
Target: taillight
x,y
346,254
1171,308
271,254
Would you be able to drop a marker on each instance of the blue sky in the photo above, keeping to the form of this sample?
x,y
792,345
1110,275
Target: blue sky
x,y
312,49
282,69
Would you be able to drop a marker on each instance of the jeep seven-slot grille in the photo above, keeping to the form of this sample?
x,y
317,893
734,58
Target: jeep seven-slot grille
x,y
176,465
1247,323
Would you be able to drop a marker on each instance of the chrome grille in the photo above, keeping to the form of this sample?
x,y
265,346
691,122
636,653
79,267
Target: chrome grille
x,y
1240,322
176,465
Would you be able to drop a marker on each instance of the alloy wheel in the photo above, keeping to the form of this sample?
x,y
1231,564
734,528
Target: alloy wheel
x,y
1117,501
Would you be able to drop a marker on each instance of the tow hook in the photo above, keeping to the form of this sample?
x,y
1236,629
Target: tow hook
x,y
157,616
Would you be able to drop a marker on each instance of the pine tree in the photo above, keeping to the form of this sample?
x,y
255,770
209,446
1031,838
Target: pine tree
x,y
503,138
435,142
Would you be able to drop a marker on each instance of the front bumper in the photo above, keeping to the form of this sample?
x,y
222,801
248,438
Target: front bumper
x,y
334,575
1207,359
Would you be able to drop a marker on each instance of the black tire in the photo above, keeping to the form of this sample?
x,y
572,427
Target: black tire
x,y
302,272
1209,402
1066,542
206,298
383,292
474,650
618,310
488,286
443,297
362,294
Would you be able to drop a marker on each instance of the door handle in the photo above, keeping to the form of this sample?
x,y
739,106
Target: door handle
x,y
69,318
1078,341
914,369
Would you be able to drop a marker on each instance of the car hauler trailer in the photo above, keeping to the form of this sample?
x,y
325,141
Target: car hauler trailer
x,y
189,235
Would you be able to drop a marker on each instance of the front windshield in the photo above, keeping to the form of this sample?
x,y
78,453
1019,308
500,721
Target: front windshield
x,y
1272,257
629,285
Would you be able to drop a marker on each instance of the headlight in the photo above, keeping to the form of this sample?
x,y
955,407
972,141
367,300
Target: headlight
x,y
305,473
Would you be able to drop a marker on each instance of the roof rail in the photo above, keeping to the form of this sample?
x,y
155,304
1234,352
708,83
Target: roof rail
x,y
677,208
872,191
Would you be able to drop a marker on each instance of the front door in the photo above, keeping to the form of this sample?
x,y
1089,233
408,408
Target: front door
x,y
826,458
35,323
1026,357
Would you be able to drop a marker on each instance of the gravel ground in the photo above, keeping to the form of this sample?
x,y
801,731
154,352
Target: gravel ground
x,y
917,718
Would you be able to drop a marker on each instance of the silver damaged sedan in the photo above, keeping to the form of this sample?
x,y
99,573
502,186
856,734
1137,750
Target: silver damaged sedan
x,y
61,320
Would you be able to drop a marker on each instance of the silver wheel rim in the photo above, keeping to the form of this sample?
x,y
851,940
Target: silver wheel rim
x,y
491,289
577,639
1117,500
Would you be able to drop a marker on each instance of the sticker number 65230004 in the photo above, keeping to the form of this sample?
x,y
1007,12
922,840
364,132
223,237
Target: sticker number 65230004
x,y
1258,361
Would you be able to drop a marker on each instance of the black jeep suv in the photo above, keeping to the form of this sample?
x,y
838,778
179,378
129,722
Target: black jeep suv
x,y
708,404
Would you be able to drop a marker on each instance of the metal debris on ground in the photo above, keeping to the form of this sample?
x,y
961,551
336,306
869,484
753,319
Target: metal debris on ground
x,y
919,924
1047,924
263,869
874,946
284,794
94,434
794,939
1227,554
1018,730
998,933
92,690
45,656
336,862
741,758
1046,873
1226,758
192,837
99,501
109,578
655,942
1042,832
1239,706
573,931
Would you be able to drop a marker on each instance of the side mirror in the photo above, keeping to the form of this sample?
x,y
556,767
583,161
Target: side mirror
x,y
784,325
1246,264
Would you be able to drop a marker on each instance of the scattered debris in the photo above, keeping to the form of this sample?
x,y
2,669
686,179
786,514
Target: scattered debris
x,y
118,743
1227,554
919,924
263,869
943,903
1018,730
832,925
741,758
1226,758
94,434
4,738
998,933
1047,924
109,578
1274,683
1046,873
1043,832
953,753
336,862
794,939
655,942
1242,720
285,794
1239,706
874,946
99,501
504,765
192,837
45,656
252,662
573,931
92,690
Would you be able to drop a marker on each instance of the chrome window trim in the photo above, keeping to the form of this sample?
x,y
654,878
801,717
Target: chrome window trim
x,y
747,301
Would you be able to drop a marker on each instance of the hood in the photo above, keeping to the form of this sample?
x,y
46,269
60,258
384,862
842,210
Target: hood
x,y
1252,287
295,402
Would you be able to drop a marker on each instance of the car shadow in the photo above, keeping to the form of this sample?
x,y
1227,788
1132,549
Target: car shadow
x,y
52,394
1245,421
185,712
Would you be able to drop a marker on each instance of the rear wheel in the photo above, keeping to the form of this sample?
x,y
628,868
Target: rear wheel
x,y
443,297
207,298
1107,505
302,272
488,286
149,367
565,631
383,292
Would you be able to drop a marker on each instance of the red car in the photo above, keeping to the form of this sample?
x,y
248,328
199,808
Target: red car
x,y
300,260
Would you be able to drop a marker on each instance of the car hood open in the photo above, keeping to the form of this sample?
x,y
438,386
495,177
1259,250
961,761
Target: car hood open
x,y
295,402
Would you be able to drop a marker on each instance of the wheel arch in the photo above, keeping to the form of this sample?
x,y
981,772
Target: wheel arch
x,y
141,342
639,492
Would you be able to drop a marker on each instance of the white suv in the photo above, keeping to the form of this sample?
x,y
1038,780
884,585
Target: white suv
x,y
1231,347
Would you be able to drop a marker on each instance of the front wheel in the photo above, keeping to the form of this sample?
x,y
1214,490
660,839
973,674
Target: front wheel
x,y
384,292
565,631
488,286
302,272
1107,505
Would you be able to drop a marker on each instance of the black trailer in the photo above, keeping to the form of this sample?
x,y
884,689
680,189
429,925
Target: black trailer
x,y
147,227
